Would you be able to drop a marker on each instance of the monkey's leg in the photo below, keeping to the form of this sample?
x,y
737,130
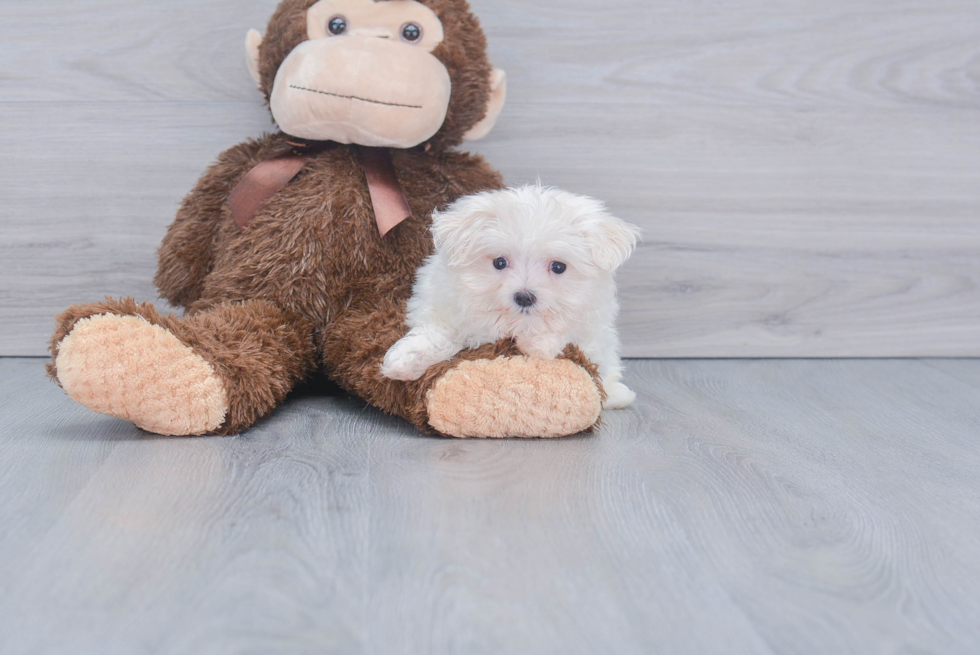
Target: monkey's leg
x,y
491,391
212,372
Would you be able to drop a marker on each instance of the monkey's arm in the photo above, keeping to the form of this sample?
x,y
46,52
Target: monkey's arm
x,y
185,256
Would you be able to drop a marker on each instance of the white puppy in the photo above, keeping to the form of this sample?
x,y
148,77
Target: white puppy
x,y
535,264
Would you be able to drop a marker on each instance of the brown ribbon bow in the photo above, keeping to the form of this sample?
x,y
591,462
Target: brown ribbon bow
x,y
269,177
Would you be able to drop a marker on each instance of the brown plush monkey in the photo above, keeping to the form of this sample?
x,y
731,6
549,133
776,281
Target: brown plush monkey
x,y
296,252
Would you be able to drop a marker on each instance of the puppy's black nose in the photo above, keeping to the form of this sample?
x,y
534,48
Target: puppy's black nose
x,y
525,299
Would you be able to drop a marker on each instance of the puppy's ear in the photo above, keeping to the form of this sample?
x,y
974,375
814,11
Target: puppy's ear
x,y
457,229
611,241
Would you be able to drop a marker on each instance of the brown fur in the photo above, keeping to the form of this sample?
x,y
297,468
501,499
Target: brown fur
x,y
258,350
311,284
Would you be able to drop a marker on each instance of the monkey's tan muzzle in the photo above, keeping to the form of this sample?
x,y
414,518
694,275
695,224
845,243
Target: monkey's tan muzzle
x,y
370,91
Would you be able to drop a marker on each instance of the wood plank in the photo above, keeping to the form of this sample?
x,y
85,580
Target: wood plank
x,y
88,200
840,54
808,177
827,261
118,51
138,534
768,234
739,507
964,370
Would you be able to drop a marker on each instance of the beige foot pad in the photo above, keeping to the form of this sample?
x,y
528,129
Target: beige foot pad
x,y
126,367
514,397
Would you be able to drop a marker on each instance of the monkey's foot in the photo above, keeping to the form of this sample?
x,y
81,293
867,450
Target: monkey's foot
x,y
514,397
126,367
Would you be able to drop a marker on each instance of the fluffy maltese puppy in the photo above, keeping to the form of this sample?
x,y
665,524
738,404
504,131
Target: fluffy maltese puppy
x,y
534,264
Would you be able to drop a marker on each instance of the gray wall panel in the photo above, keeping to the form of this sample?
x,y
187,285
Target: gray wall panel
x,y
807,176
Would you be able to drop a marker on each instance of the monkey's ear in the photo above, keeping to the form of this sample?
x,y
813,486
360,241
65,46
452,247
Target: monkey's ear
x,y
253,40
498,95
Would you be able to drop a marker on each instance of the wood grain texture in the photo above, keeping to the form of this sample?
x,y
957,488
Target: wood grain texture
x,y
739,507
807,176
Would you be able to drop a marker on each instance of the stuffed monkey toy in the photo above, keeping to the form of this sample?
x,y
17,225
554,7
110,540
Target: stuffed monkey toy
x,y
295,253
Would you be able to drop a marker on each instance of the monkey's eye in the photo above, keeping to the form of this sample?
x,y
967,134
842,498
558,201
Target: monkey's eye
x,y
558,268
337,25
411,32
500,263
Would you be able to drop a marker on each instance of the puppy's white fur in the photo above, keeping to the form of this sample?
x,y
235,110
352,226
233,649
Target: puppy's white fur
x,y
461,300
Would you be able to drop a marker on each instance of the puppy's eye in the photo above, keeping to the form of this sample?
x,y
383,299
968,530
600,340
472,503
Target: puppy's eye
x,y
500,263
337,25
558,268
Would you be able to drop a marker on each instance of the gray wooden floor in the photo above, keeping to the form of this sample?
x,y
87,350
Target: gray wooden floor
x,y
739,507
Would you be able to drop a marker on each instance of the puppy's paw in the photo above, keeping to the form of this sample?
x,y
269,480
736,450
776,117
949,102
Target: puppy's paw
x,y
408,359
618,396
544,346
402,365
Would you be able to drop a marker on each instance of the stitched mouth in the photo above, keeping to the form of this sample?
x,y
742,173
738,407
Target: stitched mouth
x,y
338,95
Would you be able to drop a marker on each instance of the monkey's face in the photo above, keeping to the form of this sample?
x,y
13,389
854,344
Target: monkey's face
x,y
366,75
364,72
